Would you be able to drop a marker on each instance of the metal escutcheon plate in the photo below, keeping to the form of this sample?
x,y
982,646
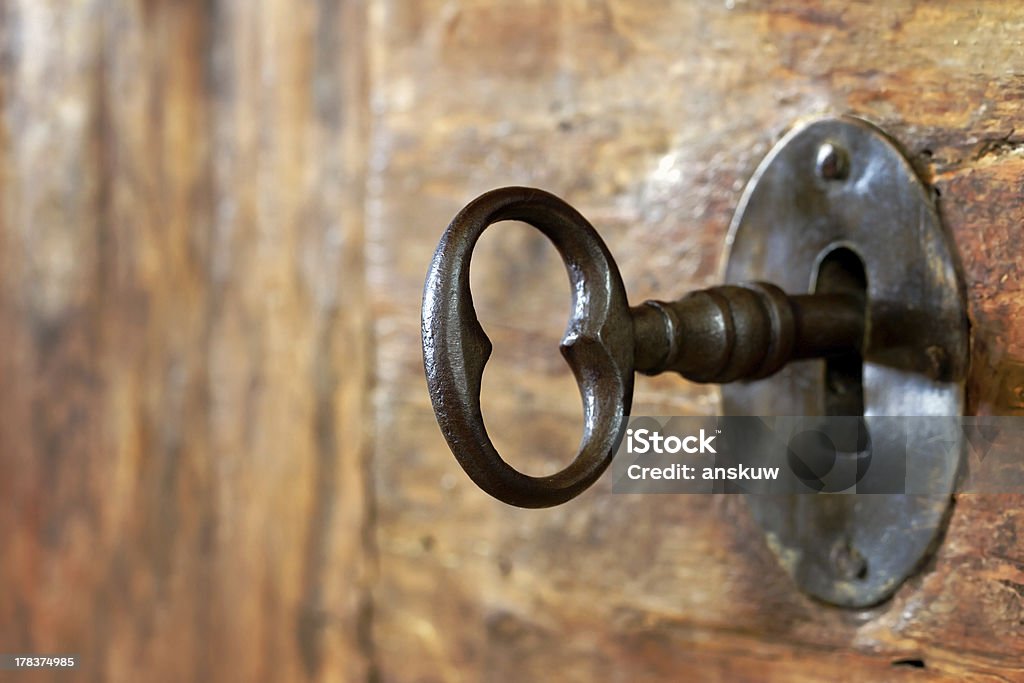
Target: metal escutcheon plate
x,y
856,550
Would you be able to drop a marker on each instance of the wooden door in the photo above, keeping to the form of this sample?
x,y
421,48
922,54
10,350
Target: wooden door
x,y
218,459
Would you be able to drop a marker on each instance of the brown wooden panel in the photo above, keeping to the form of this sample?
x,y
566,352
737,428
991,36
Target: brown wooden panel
x,y
215,437
649,117
183,422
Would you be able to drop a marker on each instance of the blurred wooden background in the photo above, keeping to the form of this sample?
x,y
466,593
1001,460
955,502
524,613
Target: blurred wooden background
x,y
218,460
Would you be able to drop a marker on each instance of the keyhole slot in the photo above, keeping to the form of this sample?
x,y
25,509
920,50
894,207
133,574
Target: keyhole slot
x,y
842,271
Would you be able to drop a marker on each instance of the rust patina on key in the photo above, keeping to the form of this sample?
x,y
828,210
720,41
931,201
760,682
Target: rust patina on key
x,y
721,334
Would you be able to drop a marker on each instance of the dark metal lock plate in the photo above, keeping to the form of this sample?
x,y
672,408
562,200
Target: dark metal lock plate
x,y
842,183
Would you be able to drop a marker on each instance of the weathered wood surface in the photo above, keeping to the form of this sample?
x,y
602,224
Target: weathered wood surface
x,y
649,117
184,336
217,455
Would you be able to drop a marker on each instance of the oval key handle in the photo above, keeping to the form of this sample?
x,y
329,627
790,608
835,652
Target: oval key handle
x,y
720,334
598,345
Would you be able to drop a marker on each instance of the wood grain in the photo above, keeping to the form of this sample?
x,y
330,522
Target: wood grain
x,y
649,117
184,333
218,460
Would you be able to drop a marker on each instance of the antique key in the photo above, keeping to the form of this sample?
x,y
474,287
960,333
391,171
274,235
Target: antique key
x,y
722,334
835,209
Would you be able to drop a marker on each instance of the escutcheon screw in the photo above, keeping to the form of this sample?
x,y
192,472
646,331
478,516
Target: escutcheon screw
x,y
832,162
